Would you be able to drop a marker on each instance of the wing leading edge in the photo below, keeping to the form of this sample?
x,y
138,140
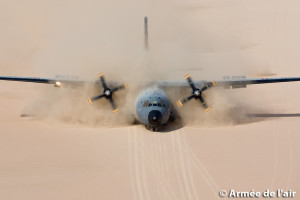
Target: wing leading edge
x,y
43,80
26,79
234,83
238,82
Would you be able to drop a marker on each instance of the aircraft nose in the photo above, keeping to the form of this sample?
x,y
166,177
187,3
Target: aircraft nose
x,y
154,117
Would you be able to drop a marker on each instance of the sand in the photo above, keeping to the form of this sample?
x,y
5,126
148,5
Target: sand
x,y
49,158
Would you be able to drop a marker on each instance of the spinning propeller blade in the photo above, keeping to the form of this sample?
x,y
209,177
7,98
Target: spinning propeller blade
x,y
107,93
196,94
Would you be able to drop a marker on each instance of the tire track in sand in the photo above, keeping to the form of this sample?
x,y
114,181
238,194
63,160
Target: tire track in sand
x,y
159,165
181,163
140,157
131,165
152,150
155,166
136,167
177,169
181,140
200,167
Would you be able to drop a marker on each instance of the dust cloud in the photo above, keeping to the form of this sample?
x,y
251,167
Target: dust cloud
x,y
48,38
41,158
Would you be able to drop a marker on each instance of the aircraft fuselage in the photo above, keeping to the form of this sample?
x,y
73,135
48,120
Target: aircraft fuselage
x,y
153,108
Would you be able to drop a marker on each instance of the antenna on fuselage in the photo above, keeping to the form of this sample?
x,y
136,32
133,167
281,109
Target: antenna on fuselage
x,y
146,32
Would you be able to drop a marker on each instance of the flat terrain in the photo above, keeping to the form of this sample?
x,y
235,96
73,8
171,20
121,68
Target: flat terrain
x,y
46,157
49,161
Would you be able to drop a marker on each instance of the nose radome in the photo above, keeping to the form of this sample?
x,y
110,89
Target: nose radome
x,y
154,117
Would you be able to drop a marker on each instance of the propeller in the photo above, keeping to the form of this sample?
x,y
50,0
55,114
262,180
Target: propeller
x,y
196,94
107,93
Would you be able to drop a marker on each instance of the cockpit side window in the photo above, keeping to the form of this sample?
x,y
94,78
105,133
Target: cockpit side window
x,y
150,104
159,104
163,103
146,104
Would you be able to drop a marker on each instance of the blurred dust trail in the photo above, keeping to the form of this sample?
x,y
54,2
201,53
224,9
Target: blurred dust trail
x,y
200,167
177,169
131,163
180,138
166,144
68,105
158,174
182,167
135,151
157,161
156,155
160,144
161,159
153,152
137,168
140,141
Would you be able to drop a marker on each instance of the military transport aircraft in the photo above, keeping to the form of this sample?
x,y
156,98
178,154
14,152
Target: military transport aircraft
x,y
153,108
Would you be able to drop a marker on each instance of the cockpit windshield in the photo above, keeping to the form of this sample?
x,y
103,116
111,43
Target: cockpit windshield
x,y
149,104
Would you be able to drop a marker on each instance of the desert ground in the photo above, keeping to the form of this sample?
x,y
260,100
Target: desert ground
x,y
71,150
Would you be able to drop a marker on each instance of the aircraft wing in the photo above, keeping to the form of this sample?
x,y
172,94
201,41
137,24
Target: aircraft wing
x,y
243,82
56,82
236,83
109,87
200,86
